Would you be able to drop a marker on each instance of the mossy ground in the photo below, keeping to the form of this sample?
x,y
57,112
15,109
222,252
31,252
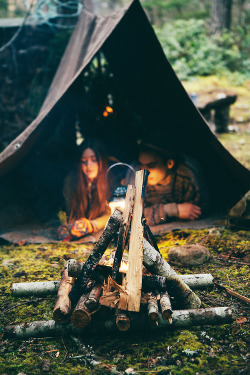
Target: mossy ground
x,y
198,350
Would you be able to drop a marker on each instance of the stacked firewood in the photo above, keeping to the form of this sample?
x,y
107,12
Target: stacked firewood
x,y
144,291
145,282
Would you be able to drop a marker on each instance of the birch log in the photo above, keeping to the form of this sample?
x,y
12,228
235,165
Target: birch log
x,y
43,288
62,309
166,308
177,288
153,311
181,319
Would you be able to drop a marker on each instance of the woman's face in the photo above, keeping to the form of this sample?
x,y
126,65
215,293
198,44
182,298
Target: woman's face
x,y
89,164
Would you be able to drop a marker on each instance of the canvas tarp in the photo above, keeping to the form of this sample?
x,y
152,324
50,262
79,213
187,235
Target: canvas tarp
x,y
33,166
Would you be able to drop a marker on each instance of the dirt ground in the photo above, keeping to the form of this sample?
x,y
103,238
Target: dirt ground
x,y
197,350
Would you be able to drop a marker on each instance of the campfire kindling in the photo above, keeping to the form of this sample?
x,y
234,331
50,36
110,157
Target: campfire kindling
x,y
144,291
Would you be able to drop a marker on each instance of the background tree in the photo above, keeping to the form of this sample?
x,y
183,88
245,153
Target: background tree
x,y
221,15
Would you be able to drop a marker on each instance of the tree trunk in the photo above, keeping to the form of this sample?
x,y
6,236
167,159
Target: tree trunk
x,y
221,13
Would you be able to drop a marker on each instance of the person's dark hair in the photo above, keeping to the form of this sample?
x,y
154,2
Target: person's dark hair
x,y
163,145
80,207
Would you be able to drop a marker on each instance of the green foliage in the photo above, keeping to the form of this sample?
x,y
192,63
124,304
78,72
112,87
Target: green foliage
x,y
192,51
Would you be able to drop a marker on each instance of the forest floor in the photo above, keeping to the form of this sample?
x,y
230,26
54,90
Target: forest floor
x,y
198,350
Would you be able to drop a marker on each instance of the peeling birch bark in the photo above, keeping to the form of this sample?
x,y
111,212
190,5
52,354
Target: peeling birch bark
x,y
181,319
62,309
176,288
166,308
43,288
36,288
153,311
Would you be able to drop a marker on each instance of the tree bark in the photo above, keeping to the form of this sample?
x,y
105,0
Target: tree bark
x,y
221,12
181,319
62,309
153,311
43,288
36,288
166,308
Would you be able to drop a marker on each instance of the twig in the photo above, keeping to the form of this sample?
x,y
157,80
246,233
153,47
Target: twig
x,y
233,293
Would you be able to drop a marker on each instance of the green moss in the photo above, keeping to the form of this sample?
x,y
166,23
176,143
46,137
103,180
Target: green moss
x,y
203,350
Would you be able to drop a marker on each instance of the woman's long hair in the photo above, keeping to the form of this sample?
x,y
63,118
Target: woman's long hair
x,y
80,204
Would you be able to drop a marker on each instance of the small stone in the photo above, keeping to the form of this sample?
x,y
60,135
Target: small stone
x,y
189,255
130,371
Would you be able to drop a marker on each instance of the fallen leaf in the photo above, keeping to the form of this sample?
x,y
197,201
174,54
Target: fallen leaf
x,y
21,243
241,320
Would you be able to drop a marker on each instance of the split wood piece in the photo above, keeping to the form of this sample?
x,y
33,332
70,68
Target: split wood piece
x,y
62,309
166,308
81,316
131,300
110,229
122,320
181,319
176,288
92,301
43,288
153,311
124,229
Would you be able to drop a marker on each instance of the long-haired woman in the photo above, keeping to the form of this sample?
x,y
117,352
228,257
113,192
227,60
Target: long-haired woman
x,y
85,193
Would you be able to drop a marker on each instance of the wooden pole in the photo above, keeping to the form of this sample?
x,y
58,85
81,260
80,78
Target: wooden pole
x,y
134,273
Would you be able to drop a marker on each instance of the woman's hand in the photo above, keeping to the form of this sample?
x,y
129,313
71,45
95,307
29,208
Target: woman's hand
x,y
81,228
188,211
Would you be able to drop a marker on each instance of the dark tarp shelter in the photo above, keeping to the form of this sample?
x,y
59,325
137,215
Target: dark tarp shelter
x,y
34,165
